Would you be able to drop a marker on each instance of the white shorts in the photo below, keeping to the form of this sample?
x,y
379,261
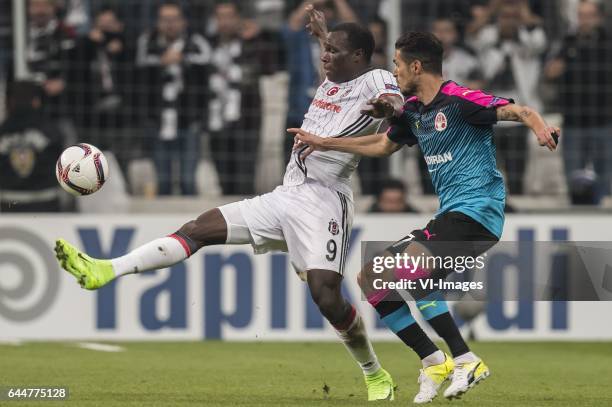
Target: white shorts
x,y
310,221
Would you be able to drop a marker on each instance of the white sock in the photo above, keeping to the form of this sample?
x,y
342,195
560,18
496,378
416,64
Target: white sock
x,y
466,358
356,341
157,254
436,358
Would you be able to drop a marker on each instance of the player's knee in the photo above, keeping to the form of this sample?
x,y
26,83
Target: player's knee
x,y
208,229
189,229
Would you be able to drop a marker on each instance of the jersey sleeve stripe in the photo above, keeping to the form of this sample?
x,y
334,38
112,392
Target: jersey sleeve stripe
x,y
350,127
475,96
358,129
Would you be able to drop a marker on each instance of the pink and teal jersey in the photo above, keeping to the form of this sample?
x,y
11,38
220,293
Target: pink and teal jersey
x,y
455,134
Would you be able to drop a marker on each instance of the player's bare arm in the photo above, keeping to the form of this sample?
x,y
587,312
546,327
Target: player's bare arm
x,y
374,145
317,27
533,120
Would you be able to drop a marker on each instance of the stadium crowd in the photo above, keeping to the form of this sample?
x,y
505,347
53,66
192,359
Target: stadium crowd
x,y
167,81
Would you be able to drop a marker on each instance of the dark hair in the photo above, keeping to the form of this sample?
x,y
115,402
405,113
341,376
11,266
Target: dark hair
x,y
358,37
106,8
20,94
232,3
422,46
391,183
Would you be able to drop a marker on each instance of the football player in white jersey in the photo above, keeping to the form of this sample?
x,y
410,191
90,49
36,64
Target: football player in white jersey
x,y
310,215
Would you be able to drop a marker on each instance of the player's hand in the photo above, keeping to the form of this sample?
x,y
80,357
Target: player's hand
x,y
250,29
546,136
54,87
96,35
303,138
554,69
317,26
114,47
171,57
379,108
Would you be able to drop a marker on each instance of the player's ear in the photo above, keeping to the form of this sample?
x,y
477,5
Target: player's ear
x,y
416,66
358,54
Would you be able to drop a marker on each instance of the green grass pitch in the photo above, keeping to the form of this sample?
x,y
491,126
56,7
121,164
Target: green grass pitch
x,y
295,374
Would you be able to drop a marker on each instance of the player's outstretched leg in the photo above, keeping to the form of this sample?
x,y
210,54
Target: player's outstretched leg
x,y
325,288
395,313
469,368
208,229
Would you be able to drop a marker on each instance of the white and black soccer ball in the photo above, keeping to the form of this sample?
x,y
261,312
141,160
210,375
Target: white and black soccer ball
x,y
82,169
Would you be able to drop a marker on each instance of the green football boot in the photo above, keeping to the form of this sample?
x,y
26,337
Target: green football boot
x,y
380,386
90,273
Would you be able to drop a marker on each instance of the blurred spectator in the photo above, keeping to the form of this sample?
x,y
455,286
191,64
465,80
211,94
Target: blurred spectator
x,y
303,58
584,187
242,54
510,52
419,14
582,70
175,64
100,82
459,64
76,14
391,198
378,28
29,148
47,53
484,12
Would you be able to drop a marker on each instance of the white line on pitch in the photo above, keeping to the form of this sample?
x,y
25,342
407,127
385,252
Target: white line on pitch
x,y
100,347
11,342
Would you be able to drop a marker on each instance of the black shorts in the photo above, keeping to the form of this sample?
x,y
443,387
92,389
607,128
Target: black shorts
x,y
450,234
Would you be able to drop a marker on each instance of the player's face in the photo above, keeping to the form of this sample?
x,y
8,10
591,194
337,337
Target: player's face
x,y
337,58
41,12
509,20
405,75
446,32
392,200
170,22
228,20
108,22
589,17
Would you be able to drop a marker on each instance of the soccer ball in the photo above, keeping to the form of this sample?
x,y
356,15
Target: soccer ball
x,y
81,169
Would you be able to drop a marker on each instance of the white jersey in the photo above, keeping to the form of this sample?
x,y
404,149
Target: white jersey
x,y
335,112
